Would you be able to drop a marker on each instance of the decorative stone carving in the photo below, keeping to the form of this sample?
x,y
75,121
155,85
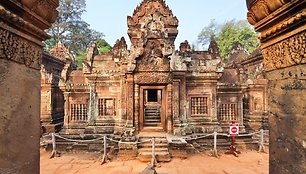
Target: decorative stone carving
x,y
61,52
287,53
283,25
152,78
262,8
19,50
153,59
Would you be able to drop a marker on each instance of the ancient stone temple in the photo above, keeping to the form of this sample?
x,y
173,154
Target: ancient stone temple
x,y
54,69
151,87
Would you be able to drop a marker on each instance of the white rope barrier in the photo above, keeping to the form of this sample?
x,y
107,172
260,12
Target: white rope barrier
x,y
79,141
54,153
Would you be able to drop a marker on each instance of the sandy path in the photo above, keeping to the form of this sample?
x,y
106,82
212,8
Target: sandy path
x,y
82,163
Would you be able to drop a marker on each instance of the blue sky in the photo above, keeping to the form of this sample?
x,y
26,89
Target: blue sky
x,y
110,16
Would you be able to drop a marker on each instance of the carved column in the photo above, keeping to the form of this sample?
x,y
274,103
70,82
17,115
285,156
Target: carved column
x,y
176,102
130,99
123,98
282,24
136,107
66,109
183,99
22,25
92,107
169,109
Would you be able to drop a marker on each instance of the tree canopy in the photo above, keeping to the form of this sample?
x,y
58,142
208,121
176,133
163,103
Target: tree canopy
x,y
71,30
228,34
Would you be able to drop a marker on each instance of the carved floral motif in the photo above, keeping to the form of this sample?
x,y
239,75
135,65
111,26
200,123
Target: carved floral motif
x,y
287,53
17,49
152,78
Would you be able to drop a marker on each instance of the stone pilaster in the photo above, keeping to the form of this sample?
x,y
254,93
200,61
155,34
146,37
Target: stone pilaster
x,y
282,25
137,106
22,25
169,109
176,102
92,107
130,99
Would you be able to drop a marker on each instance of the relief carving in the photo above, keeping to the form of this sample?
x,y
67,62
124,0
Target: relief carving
x,y
153,58
152,78
262,8
287,53
19,50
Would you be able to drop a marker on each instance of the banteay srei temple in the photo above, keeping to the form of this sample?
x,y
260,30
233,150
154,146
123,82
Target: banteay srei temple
x,y
151,89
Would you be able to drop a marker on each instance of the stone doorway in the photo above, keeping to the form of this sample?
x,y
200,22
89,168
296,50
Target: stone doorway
x,y
152,107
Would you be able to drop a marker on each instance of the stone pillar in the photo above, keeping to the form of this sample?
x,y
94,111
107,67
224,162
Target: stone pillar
x,y
92,109
22,25
169,109
130,99
66,109
176,102
183,99
282,24
136,107
123,95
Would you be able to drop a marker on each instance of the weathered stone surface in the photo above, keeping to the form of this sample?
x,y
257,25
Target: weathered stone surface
x,y
282,27
19,118
21,36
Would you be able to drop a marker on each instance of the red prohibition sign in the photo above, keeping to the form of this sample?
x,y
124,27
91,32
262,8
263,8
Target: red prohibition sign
x,y
234,130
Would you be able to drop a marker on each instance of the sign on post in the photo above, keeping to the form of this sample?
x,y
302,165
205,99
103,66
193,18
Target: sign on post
x,y
234,129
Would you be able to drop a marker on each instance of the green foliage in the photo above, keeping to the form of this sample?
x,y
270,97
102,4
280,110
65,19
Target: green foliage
x,y
80,58
228,34
103,46
208,33
70,29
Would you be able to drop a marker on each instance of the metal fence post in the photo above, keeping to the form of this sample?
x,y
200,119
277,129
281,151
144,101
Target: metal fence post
x,y
54,152
261,144
215,153
104,159
153,161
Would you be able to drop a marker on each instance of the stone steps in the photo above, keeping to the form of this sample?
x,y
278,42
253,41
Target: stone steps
x,y
152,117
161,149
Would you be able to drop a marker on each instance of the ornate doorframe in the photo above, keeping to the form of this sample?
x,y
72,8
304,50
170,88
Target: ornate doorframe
x,y
163,105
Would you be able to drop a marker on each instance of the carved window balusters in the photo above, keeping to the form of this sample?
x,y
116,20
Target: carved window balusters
x,y
228,112
106,106
199,106
78,112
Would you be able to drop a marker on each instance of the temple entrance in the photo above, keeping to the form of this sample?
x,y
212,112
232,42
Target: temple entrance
x,y
152,107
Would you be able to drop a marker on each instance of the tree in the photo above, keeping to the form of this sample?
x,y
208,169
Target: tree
x,y
228,34
70,29
103,46
209,33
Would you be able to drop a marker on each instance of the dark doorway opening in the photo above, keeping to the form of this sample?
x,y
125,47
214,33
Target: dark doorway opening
x,y
152,95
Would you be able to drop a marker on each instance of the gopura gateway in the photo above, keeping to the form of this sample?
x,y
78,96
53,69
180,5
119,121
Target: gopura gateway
x,y
151,87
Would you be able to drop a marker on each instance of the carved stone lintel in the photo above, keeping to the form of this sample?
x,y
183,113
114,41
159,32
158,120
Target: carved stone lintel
x,y
289,52
153,78
19,50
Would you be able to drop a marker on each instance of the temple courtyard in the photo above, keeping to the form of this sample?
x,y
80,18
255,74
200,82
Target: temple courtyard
x,y
249,162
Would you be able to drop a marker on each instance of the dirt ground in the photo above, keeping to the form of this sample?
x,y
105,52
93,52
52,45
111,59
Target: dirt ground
x,y
249,162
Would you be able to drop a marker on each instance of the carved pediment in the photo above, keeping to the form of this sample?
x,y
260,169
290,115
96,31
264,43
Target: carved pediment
x,y
152,19
153,58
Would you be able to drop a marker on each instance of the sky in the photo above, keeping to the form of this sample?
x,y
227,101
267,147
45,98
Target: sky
x,y
110,16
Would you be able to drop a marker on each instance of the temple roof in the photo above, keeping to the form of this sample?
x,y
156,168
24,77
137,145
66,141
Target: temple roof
x,y
61,52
